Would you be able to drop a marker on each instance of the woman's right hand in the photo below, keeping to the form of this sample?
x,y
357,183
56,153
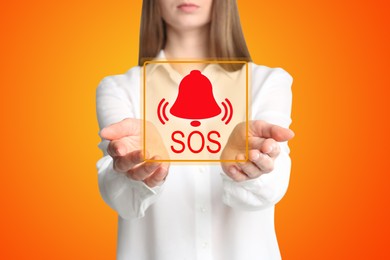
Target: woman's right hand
x,y
125,148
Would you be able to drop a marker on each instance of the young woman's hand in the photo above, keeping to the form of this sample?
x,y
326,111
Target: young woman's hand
x,y
125,148
263,146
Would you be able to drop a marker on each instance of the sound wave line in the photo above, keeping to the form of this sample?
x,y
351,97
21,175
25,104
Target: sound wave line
x,y
226,111
163,111
159,111
231,111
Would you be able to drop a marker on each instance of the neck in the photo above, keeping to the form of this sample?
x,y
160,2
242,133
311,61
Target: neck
x,y
190,44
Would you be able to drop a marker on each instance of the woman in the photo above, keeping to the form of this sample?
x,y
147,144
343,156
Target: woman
x,y
196,212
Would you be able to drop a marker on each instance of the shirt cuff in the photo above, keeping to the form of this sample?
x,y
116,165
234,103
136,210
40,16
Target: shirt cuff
x,y
251,194
128,197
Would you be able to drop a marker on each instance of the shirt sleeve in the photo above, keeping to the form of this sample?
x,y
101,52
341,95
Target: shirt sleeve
x,y
129,198
271,102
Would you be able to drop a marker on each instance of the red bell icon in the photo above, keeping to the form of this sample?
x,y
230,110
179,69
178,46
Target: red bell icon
x,y
195,99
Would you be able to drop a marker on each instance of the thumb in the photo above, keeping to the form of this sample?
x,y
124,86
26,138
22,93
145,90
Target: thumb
x,y
281,134
266,130
126,127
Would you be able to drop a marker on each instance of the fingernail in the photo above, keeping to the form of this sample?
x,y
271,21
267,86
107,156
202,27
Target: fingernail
x,y
233,170
256,156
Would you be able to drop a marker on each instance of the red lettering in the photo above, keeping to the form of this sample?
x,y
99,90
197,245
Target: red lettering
x,y
214,142
178,141
189,142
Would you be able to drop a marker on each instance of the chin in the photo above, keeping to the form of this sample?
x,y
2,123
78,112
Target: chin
x,y
190,24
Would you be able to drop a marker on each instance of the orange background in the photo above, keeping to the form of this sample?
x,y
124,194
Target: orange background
x,y
54,53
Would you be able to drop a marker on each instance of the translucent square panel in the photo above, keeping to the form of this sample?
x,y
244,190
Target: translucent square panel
x,y
190,109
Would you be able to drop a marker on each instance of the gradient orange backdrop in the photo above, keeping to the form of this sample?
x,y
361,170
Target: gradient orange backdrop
x,y
54,53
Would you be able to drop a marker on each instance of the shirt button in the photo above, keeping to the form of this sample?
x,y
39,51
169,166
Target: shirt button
x,y
203,209
201,169
205,244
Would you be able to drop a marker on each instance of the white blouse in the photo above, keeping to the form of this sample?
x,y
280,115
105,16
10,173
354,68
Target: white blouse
x,y
199,212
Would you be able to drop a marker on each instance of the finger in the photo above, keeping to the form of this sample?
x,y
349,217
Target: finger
x,y
255,142
266,130
262,161
250,169
236,174
270,147
126,127
144,170
125,163
157,178
117,148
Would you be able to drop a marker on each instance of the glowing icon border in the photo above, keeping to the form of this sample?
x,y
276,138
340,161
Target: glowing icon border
x,y
197,62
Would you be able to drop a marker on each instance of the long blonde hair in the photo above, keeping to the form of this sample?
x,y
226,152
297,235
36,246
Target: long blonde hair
x,y
226,38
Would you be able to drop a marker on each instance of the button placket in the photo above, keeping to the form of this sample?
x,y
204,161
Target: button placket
x,y
202,213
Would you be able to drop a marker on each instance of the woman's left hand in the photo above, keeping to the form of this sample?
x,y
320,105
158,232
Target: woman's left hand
x,y
263,149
